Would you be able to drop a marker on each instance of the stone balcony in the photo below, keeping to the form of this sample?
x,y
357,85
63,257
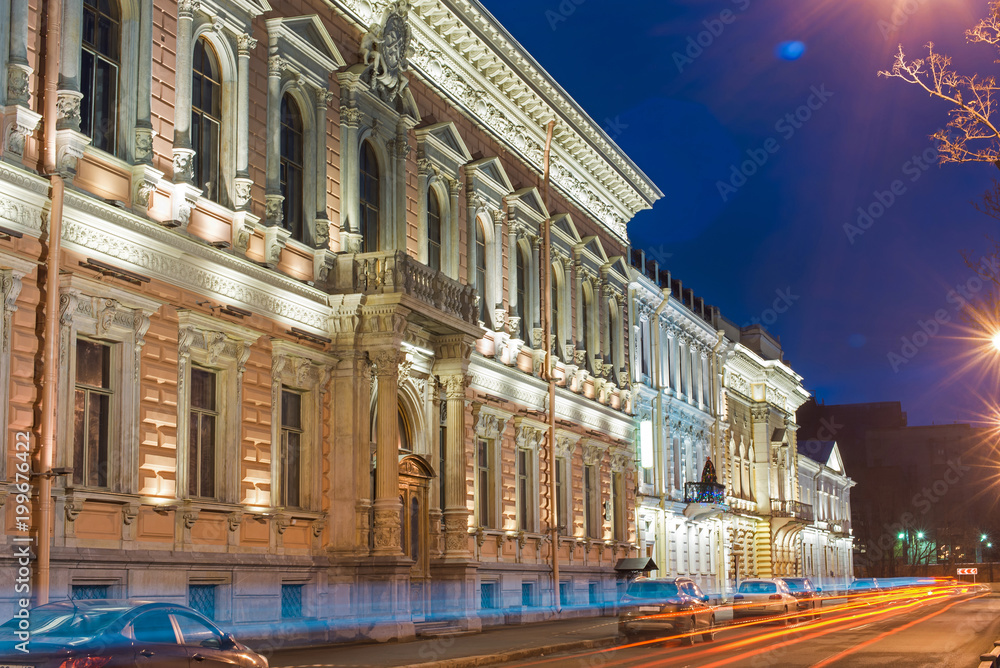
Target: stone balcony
x,y
793,510
442,303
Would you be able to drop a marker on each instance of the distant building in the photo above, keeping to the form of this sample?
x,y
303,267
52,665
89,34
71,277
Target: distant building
x,y
923,493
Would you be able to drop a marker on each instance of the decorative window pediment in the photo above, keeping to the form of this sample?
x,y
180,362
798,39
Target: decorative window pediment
x,y
489,422
529,434
488,182
442,146
525,206
305,45
236,15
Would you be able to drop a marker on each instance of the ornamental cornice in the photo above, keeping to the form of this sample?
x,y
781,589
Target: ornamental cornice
x,y
460,50
186,263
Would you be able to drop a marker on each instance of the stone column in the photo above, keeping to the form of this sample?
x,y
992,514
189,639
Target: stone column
x,y
273,212
242,182
321,228
142,149
183,152
456,511
499,315
16,91
69,95
451,251
534,289
512,258
424,175
400,152
387,528
578,282
350,186
567,329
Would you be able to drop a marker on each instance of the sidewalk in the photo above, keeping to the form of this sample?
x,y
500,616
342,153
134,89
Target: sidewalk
x,y
497,645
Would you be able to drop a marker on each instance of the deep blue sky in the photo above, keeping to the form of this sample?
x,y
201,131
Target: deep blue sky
x,y
784,229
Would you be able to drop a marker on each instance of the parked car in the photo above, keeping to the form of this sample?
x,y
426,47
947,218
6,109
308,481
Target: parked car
x,y
807,595
865,589
120,634
666,606
760,597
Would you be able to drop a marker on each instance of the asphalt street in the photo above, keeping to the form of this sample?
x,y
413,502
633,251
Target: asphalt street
x,y
934,632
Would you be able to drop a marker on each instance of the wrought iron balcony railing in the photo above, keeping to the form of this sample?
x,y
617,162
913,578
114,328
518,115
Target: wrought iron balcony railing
x,y
802,511
704,492
395,272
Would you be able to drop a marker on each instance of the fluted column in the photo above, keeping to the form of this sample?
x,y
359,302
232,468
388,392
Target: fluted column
x,y
456,511
183,152
387,528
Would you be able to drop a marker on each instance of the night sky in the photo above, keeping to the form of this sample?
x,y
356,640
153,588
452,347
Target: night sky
x,y
686,119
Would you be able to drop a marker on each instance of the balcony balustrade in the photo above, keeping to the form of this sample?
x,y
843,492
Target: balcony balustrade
x,y
794,509
395,272
704,492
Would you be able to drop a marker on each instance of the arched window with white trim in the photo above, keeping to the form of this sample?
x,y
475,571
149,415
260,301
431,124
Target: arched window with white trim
x,y
433,230
206,120
481,248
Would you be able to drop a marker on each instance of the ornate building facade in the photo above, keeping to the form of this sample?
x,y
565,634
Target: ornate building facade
x,y
827,543
299,331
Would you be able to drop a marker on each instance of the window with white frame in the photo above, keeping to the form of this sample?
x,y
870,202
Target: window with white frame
x,y
211,360
371,193
489,428
299,377
103,330
12,271
521,310
301,57
562,501
441,153
591,497
100,63
485,314
433,230
618,518
206,120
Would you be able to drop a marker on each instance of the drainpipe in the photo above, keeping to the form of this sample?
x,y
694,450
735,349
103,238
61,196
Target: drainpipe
x,y
549,377
50,355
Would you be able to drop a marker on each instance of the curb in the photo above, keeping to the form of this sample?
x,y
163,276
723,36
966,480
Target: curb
x,y
514,655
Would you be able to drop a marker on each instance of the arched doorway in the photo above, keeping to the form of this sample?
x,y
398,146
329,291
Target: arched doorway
x,y
414,483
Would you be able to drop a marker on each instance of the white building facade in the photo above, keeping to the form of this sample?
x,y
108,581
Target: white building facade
x,y
827,543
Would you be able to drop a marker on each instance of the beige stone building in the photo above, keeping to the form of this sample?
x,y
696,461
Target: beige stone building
x,y
299,339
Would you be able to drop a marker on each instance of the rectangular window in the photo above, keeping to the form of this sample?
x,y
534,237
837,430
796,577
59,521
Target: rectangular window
x,y
90,592
590,500
203,423
202,599
93,413
484,483
618,503
561,513
525,518
291,448
291,601
488,596
527,594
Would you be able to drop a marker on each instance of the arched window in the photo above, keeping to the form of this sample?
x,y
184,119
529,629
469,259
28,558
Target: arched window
x,y
100,61
369,199
481,271
433,230
614,338
291,166
522,293
206,115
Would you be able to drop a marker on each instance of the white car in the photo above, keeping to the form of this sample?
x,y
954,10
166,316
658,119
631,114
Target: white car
x,y
760,597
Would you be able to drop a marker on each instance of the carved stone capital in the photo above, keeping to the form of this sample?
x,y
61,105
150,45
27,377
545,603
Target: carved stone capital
x,y
20,125
273,213
187,8
183,159
351,116
242,189
386,363
68,110
18,92
245,44
143,145
455,386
